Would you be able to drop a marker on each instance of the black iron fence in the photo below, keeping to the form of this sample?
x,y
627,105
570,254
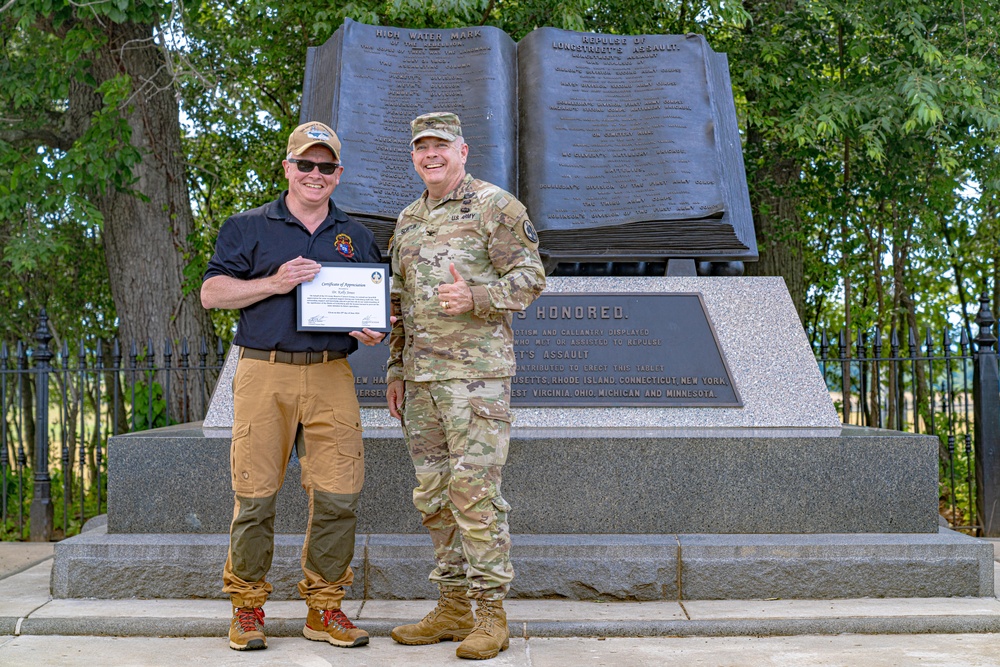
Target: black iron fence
x,y
940,383
59,408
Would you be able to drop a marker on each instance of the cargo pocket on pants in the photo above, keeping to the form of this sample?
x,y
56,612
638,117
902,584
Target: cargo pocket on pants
x,y
489,433
499,525
240,460
349,461
502,506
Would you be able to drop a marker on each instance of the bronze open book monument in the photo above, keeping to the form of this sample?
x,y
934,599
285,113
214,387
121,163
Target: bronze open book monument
x,y
622,147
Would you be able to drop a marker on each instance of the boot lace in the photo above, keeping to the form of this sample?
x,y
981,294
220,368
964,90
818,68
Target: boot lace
x,y
250,618
486,619
444,603
441,607
338,618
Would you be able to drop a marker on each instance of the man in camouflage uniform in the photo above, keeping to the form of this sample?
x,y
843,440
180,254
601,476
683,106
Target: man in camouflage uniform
x,y
464,258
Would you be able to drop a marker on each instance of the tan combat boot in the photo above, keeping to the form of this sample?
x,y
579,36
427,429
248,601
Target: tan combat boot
x,y
450,619
490,636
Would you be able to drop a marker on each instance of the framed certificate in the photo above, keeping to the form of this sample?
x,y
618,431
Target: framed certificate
x,y
345,297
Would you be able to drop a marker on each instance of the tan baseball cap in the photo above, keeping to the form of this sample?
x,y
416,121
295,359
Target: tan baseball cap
x,y
444,125
313,134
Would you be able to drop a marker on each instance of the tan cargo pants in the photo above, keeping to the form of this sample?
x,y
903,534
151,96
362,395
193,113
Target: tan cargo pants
x,y
314,408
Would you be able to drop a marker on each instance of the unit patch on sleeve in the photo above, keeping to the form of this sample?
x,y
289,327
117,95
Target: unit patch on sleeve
x,y
529,231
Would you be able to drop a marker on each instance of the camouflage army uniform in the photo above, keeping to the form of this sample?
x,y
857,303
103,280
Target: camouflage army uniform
x,y
456,412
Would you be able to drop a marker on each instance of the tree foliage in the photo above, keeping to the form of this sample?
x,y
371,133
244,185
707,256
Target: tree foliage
x,y
93,174
889,112
870,132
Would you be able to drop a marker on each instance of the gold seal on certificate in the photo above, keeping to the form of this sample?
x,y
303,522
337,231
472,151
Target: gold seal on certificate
x,y
345,297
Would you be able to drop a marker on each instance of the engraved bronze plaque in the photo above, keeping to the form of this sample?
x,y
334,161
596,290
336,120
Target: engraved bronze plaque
x,y
622,147
382,78
609,350
627,125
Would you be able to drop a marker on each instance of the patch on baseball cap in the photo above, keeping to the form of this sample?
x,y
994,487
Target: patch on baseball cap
x,y
437,124
313,134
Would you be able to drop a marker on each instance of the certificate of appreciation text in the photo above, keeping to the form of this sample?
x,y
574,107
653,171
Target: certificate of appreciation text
x,y
345,297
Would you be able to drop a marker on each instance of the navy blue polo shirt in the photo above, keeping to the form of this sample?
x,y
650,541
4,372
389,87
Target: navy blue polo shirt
x,y
255,243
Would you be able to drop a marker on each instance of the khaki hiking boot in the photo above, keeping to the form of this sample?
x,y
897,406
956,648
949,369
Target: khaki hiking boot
x,y
246,630
450,619
490,635
332,625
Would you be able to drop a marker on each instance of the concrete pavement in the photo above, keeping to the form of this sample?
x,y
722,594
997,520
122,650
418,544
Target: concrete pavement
x,y
961,650
37,630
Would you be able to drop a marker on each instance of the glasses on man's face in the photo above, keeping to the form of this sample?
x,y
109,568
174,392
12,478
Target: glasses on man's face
x,y
306,166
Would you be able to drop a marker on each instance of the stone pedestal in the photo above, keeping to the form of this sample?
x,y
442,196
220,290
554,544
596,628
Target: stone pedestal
x,y
577,567
574,481
771,499
635,514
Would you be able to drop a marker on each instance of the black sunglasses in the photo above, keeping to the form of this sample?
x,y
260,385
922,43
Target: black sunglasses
x,y
306,166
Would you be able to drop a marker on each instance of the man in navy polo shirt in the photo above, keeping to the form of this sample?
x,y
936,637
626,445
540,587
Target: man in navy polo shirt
x,y
292,388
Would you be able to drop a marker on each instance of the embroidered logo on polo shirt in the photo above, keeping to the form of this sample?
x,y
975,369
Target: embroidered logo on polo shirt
x,y
344,245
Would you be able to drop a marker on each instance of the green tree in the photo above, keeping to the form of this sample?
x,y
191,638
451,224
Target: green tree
x,y
91,142
863,120
863,123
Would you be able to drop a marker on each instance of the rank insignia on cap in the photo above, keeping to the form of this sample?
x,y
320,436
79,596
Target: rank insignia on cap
x,y
444,125
529,232
344,245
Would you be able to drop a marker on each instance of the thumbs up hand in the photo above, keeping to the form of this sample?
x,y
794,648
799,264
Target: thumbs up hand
x,y
455,298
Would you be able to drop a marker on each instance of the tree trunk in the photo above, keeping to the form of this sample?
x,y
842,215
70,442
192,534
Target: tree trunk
x,y
146,241
769,176
116,420
777,224
876,249
900,254
921,388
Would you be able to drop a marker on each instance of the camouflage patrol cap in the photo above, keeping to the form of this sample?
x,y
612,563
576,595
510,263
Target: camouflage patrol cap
x,y
437,124
313,134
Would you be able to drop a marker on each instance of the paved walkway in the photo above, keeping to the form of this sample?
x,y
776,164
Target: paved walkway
x,y
37,630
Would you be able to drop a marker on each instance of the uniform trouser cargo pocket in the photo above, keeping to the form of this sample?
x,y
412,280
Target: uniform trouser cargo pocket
x,y
337,463
349,468
489,432
240,460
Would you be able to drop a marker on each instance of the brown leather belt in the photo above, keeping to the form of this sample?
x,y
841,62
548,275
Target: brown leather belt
x,y
297,358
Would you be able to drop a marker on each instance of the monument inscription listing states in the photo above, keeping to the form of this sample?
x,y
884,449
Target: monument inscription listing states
x,y
653,350
623,148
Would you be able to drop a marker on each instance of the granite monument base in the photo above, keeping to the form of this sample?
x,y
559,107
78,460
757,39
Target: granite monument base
x,y
640,514
575,481
634,502
577,567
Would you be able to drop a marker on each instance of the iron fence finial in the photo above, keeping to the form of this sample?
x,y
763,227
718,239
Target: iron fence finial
x,y
985,322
